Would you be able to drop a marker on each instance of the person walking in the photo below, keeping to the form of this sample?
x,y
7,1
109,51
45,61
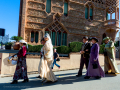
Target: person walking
x,y
46,71
21,68
56,55
41,53
85,54
110,62
94,68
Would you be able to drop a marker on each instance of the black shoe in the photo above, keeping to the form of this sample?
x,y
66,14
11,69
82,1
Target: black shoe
x,y
87,77
14,82
25,80
78,75
112,73
98,77
38,77
106,73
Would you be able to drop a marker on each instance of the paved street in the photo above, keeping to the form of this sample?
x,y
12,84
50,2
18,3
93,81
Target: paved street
x,y
66,81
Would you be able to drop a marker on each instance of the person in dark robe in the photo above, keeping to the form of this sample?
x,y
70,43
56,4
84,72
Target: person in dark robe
x,y
94,68
85,54
21,68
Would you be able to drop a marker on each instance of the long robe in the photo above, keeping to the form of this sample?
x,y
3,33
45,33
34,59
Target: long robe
x,y
46,62
40,63
21,68
94,55
110,62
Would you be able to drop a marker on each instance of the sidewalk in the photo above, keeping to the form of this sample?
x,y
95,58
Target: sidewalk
x,y
67,80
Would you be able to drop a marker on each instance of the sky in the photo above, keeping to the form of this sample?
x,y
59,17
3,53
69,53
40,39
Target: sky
x,y
9,16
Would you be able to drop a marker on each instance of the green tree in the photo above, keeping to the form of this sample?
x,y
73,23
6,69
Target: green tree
x,y
16,38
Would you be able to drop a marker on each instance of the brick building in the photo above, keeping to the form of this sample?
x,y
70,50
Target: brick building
x,y
68,20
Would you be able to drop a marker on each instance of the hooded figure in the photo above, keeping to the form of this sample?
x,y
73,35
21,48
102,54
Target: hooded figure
x,y
46,71
110,62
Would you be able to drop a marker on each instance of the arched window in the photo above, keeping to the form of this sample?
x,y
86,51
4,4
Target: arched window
x,y
36,37
86,12
89,11
66,8
64,38
48,6
32,36
111,13
59,38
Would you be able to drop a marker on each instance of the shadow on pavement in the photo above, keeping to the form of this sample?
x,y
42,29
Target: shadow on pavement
x,y
110,75
35,83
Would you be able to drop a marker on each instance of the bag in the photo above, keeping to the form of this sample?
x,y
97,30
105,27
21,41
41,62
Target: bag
x,y
14,62
95,66
15,58
58,59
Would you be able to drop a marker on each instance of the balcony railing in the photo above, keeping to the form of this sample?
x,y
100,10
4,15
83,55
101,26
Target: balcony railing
x,y
112,23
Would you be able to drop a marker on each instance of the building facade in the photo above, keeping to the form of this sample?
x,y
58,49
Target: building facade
x,y
68,20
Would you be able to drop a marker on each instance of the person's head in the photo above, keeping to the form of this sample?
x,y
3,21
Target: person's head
x,y
90,39
55,50
42,41
46,37
94,40
22,42
85,39
106,40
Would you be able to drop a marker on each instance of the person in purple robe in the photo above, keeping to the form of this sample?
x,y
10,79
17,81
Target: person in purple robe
x,y
94,68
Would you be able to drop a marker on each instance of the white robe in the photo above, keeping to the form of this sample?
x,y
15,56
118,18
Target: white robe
x,y
45,70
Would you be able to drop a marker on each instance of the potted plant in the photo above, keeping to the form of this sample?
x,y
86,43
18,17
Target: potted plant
x,y
16,45
8,45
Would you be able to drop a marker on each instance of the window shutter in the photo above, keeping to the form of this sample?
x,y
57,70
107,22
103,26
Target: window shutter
x,y
106,16
32,36
51,35
53,38
86,12
57,38
66,39
46,32
65,8
91,12
36,37
60,39
48,6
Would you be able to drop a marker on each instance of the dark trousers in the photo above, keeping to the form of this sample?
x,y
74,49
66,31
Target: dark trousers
x,y
83,61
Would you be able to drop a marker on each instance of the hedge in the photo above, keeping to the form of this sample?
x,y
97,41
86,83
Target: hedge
x,y
63,50
75,46
34,48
